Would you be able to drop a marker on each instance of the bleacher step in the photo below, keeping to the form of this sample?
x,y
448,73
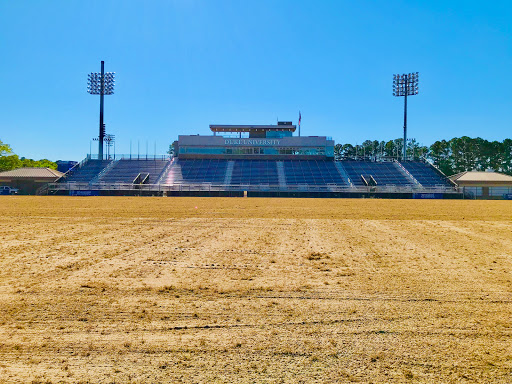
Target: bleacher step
x,y
281,176
174,175
229,172
406,173
343,173
105,170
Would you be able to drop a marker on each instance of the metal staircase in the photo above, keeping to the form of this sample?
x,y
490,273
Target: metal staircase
x,y
281,175
174,175
343,173
98,177
229,172
165,171
406,173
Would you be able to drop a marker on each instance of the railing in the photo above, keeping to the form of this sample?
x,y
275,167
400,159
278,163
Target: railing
x,y
77,186
166,170
132,156
109,166
406,172
343,173
72,170
43,190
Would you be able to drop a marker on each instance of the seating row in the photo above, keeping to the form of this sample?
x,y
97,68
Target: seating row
x,y
261,172
425,174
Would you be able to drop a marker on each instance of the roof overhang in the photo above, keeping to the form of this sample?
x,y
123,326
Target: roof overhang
x,y
251,128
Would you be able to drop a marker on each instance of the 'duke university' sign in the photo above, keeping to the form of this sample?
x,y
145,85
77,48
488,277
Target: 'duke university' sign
x,y
251,142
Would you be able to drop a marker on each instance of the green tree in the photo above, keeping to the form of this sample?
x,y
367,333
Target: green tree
x,y
45,163
5,149
337,151
348,150
439,153
506,166
464,154
389,149
456,155
412,149
344,151
171,149
10,162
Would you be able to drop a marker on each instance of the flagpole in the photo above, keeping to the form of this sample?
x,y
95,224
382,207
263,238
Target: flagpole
x,y
300,118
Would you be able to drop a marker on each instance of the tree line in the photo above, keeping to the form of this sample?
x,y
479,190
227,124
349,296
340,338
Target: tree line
x,y
9,160
453,156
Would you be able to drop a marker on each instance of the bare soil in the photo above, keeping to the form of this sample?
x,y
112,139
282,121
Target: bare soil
x,y
223,290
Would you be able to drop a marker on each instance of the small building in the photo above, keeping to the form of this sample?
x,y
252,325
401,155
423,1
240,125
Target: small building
x,y
29,180
484,185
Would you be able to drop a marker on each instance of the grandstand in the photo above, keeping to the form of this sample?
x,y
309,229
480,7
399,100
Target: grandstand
x,y
86,171
364,173
313,172
426,175
127,171
197,171
257,160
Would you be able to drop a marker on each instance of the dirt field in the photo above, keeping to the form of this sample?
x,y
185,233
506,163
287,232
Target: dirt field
x,y
211,290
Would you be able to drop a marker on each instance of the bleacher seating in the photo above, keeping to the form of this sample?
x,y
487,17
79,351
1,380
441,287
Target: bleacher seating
x,y
87,172
264,173
254,172
426,175
312,172
384,173
192,171
299,172
125,171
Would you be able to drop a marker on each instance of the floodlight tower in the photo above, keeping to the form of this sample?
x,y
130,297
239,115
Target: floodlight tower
x,y
405,85
101,84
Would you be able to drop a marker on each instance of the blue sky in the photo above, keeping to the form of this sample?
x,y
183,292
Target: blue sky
x,y
182,65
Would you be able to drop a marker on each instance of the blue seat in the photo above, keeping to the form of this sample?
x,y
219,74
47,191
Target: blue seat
x,y
425,174
125,171
312,172
197,171
254,172
87,172
384,173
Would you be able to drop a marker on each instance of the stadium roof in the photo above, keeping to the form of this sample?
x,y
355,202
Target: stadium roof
x,y
31,173
252,128
474,177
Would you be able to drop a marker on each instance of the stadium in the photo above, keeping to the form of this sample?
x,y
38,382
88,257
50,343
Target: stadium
x,y
254,161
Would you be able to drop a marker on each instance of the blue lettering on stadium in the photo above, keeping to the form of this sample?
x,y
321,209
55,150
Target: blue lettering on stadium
x,y
83,193
427,195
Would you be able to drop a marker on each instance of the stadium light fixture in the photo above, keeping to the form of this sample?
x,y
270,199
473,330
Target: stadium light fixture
x,y
405,85
101,84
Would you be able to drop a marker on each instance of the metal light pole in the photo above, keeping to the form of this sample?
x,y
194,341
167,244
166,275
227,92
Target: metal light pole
x,y
110,139
405,85
101,84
